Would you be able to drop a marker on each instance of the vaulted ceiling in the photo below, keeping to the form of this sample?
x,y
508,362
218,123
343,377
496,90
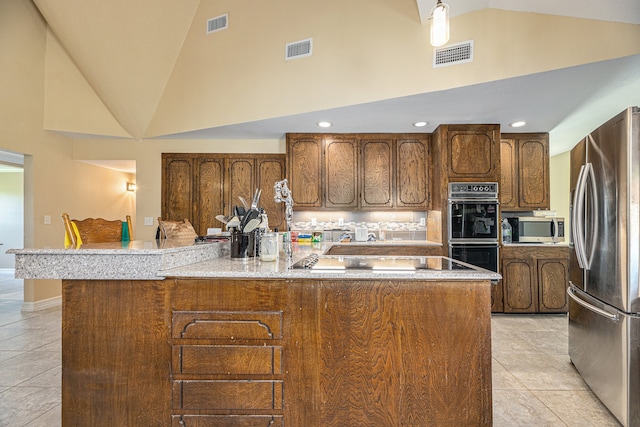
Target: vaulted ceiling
x,y
148,36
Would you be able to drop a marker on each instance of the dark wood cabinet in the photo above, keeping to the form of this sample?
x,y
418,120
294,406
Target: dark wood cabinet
x,y
359,171
377,172
305,170
200,186
535,279
524,182
413,173
341,172
471,152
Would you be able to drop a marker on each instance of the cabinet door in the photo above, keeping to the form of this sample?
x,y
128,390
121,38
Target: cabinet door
x,y
209,197
553,282
341,172
241,182
473,152
304,170
412,173
269,171
519,285
177,187
508,174
377,173
533,172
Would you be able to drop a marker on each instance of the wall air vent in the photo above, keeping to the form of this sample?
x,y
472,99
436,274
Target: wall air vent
x,y
453,54
298,49
218,23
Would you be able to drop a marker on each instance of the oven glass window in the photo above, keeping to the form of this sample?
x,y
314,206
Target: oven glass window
x,y
470,220
479,255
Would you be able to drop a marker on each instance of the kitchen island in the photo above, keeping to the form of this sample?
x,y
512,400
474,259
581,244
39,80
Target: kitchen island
x,y
211,341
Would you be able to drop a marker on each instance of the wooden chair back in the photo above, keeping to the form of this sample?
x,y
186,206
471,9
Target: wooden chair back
x,y
95,230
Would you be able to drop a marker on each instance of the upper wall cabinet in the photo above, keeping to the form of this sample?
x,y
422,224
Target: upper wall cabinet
x,y
200,186
359,171
473,153
524,183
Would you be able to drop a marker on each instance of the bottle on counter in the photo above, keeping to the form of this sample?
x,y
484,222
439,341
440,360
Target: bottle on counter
x,y
506,231
269,246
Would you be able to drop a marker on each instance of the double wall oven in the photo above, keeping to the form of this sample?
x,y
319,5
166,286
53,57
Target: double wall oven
x,y
474,223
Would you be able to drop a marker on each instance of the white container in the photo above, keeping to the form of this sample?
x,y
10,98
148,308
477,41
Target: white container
x,y
361,234
269,247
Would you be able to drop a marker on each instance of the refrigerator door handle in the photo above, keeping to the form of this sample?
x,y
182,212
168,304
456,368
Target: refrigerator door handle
x,y
591,177
571,291
577,224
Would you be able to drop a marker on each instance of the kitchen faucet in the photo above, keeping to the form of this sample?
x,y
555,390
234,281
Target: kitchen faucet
x,y
283,194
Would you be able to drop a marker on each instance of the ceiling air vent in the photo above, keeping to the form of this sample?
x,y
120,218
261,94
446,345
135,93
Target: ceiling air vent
x,y
218,23
453,54
298,49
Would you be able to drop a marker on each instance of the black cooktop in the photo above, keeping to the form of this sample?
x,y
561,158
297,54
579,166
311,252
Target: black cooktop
x,y
379,263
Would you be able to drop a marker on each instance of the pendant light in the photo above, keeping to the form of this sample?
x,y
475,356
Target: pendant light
x,y
439,24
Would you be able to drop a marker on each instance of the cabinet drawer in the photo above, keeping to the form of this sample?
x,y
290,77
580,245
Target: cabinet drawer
x,y
227,395
227,360
227,421
258,325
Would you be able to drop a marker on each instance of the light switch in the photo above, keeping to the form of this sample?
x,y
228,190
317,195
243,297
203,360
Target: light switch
x,y
47,219
148,220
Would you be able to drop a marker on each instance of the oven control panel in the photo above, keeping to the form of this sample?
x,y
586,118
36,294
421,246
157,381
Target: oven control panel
x,y
466,190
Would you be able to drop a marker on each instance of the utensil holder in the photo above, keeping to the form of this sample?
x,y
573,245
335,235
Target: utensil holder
x,y
245,245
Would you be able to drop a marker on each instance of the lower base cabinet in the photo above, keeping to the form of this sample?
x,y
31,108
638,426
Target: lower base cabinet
x,y
300,352
535,279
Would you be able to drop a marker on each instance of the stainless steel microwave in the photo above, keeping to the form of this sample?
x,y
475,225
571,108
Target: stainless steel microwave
x,y
537,229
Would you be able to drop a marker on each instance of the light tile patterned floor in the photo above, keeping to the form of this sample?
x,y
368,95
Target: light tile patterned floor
x,y
534,383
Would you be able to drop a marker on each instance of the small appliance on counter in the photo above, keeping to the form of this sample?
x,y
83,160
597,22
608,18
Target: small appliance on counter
x,y
537,229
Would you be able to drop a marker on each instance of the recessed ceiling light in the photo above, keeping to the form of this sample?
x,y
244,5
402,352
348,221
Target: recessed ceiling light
x,y
420,124
518,124
324,124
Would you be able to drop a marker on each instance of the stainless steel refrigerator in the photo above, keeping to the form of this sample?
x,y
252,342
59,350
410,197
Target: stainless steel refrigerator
x,y
604,303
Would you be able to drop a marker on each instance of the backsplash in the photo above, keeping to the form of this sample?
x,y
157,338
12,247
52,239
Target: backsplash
x,y
400,225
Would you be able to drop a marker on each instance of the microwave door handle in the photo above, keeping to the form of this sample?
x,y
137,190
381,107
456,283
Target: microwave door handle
x,y
554,231
577,224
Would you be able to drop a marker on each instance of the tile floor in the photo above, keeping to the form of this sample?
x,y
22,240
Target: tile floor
x,y
534,383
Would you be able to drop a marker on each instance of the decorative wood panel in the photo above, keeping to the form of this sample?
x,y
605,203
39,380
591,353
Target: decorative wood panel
x,y
533,173
552,279
227,325
341,172
241,182
115,353
210,194
519,286
227,421
270,171
412,172
228,395
377,173
177,188
508,188
227,360
304,170
471,154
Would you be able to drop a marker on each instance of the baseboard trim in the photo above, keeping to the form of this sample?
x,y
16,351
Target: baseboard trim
x,y
42,304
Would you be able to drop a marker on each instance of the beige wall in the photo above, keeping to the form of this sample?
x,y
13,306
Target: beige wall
x,y
559,188
53,181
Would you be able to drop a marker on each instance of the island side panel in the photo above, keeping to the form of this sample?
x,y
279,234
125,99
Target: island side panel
x,y
115,353
405,353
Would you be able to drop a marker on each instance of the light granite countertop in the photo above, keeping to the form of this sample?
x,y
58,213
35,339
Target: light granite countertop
x,y
138,260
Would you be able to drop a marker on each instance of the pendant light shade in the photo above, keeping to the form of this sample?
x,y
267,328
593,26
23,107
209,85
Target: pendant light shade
x,y
439,24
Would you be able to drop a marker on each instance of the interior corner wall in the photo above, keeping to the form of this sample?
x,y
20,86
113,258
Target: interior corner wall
x,y
559,171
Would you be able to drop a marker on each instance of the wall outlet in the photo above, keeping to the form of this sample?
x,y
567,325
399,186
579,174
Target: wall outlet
x,y
423,222
148,220
313,222
340,222
47,219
